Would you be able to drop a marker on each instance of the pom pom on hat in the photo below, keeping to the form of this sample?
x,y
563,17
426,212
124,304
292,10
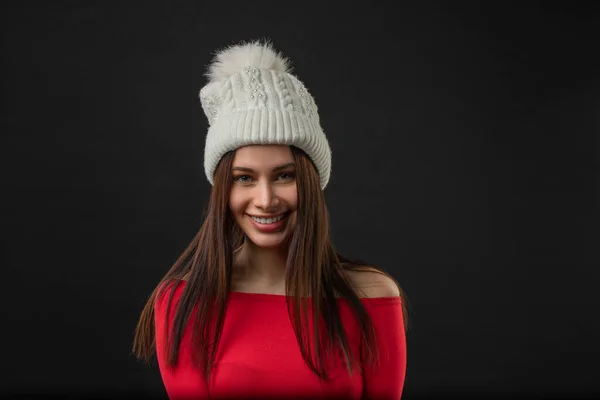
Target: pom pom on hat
x,y
234,58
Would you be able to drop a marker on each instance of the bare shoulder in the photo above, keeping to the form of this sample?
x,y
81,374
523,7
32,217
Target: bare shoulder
x,y
370,282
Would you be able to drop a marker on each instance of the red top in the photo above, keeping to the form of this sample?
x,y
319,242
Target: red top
x,y
259,356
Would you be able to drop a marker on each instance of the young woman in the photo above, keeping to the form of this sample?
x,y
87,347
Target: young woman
x,y
260,305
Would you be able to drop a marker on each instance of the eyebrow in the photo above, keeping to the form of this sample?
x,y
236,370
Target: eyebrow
x,y
277,168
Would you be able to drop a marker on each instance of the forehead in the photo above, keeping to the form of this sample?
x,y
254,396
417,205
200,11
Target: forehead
x,y
262,156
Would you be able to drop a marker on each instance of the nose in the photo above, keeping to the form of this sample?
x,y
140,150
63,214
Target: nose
x,y
266,197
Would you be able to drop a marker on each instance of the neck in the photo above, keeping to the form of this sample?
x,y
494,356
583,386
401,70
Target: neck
x,y
264,267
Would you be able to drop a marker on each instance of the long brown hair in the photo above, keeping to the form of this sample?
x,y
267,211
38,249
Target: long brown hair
x,y
315,275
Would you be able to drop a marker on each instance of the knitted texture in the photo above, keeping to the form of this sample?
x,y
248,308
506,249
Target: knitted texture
x,y
252,98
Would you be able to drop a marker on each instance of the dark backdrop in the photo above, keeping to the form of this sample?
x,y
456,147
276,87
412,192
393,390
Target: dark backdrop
x,y
465,162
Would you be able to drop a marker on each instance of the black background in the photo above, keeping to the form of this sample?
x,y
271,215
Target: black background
x,y
465,162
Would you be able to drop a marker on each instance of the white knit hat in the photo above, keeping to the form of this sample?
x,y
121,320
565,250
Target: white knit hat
x,y
252,98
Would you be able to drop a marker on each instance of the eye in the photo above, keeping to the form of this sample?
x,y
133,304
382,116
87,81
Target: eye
x,y
242,178
286,176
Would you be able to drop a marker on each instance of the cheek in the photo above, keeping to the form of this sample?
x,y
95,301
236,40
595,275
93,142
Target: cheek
x,y
236,203
291,197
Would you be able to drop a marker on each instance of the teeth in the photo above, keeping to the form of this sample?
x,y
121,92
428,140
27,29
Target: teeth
x,y
268,220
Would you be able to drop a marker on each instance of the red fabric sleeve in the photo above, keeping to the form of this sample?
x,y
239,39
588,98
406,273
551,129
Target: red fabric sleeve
x,y
181,381
385,381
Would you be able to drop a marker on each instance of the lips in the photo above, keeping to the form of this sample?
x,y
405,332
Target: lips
x,y
270,227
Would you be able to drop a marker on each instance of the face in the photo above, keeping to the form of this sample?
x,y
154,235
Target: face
x,y
264,198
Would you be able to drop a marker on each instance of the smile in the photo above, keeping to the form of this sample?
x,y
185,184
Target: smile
x,y
268,220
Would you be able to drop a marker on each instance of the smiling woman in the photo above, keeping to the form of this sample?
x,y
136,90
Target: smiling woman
x,y
260,304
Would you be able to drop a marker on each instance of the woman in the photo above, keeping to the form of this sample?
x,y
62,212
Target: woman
x,y
260,305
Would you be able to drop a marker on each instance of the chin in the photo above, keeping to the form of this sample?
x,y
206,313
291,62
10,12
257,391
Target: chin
x,y
271,241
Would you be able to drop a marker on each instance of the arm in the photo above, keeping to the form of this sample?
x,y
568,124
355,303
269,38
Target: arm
x,y
386,380
181,381
382,301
